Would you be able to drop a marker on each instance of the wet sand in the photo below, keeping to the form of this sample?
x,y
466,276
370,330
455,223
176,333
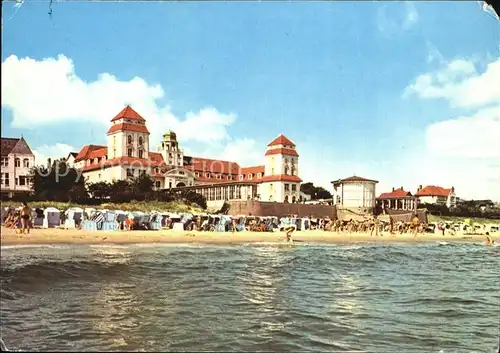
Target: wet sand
x,y
73,236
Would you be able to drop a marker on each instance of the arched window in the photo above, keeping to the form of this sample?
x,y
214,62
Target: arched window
x,y
293,170
17,162
26,163
286,160
140,141
286,170
129,139
286,199
293,199
141,153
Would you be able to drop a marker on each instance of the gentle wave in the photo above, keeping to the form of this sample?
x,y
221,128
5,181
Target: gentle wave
x,y
250,297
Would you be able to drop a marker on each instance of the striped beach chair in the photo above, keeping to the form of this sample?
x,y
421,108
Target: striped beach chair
x,y
94,223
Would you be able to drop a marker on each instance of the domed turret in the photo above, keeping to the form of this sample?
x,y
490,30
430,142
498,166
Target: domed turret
x,y
170,135
172,154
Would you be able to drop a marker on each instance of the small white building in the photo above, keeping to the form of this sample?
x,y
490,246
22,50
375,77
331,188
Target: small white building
x,y
354,192
16,163
436,195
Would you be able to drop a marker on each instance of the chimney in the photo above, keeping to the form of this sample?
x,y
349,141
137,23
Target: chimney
x,y
419,187
392,188
452,189
401,188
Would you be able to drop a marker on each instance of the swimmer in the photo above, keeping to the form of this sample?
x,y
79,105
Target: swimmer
x,y
289,230
489,239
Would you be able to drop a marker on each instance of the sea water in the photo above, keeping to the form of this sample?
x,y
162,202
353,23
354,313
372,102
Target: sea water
x,y
252,297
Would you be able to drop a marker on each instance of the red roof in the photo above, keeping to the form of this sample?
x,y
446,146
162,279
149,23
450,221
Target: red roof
x,y
396,194
253,170
432,190
98,153
157,159
128,127
283,151
354,179
137,162
128,113
213,166
291,178
86,150
281,140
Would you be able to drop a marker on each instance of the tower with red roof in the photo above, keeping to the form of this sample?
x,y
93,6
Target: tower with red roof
x,y
128,135
281,182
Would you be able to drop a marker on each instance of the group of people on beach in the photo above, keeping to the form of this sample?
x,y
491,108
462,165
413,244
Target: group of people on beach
x,y
20,220
375,227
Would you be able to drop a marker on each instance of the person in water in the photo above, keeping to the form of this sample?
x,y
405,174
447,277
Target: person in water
x,y
489,239
289,230
25,218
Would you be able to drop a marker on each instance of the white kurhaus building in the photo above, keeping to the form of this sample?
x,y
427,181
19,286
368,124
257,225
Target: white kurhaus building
x,y
127,155
354,192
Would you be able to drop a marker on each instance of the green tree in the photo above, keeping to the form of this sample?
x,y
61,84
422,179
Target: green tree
x,y
316,192
100,190
54,182
193,197
142,184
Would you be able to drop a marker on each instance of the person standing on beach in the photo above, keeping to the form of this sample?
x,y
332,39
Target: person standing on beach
x,y
391,225
374,226
415,222
25,218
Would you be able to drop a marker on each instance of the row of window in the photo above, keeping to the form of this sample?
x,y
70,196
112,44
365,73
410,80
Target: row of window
x,y
17,162
21,180
231,192
294,187
228,177
131,172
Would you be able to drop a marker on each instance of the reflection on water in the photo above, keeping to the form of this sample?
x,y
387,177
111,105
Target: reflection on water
x,y
250,298
259,279
111,254
116,309
349,303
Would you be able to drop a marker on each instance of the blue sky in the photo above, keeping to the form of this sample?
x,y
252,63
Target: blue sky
x,y
332,76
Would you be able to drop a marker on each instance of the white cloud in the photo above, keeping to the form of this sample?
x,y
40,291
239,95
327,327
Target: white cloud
x,y
49,91
59,150
476,136
459,84
463,151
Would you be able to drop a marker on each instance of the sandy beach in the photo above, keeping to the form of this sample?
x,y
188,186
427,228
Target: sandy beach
x,y
63,236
